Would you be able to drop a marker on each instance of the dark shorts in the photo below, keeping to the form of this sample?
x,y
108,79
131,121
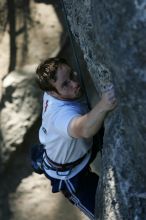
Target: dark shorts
x,y
80,190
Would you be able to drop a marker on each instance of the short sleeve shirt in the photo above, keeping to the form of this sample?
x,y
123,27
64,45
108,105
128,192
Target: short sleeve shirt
x,y
53,133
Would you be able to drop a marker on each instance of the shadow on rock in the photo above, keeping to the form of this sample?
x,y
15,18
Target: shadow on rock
x,y
18,168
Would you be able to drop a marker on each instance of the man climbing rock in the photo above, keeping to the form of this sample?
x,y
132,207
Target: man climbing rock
x,y
67,132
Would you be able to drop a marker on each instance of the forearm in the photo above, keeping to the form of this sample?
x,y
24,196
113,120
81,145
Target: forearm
x,y
92,122
94,119
89,124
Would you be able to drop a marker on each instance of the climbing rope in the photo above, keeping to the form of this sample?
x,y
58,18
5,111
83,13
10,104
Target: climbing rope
x,y
74,52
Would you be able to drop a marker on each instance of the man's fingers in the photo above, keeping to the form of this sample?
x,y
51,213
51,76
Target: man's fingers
x,y
111,96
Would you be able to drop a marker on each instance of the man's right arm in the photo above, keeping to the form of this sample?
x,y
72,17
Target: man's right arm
x,y
89,124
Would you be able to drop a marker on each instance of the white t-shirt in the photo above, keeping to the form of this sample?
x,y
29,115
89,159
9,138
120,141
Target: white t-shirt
x,y
53,133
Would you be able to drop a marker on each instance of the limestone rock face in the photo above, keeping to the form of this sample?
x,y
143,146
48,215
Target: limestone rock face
x,y
20,108
111,35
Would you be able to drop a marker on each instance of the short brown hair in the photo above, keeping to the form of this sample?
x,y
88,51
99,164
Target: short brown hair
x,y
46,72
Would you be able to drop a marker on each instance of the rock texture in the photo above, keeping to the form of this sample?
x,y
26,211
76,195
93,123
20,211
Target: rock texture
x,y
111,35
20,108
28,35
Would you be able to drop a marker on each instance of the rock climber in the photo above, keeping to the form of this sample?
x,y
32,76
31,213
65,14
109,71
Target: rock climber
x,y
67,132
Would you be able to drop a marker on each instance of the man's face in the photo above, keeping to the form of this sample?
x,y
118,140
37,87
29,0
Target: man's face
x,y
67,83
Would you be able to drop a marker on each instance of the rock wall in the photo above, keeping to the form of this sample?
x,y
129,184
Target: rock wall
x,y
111,35
20,107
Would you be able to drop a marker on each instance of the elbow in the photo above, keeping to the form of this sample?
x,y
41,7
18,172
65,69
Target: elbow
x,y
78,128
82,133
86,133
